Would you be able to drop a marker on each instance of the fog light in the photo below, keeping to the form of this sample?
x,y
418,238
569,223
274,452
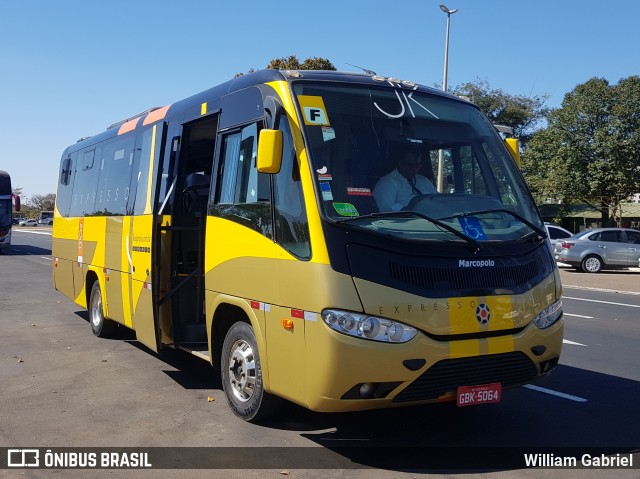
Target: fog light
x,y
538,350
366,390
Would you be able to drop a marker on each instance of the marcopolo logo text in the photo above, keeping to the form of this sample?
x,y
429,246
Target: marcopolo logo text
x,y
478,263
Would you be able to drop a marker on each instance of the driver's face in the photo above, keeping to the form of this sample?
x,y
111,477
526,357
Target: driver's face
x,y
410,165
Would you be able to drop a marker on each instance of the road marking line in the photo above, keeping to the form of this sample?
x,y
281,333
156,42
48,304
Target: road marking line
x,y
604,302
602,290
555,393
566,341
32,232
578,316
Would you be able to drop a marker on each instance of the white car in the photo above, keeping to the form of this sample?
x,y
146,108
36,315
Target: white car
x,y
28,223
555,233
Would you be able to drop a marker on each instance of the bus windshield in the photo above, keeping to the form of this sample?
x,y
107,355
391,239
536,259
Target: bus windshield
x,y
376,155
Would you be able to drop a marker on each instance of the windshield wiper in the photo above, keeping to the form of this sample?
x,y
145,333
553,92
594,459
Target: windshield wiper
x,y
409,214
535,228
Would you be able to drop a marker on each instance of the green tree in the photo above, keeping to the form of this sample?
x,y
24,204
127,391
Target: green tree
x,y
43,202
590,150
520,112
292,63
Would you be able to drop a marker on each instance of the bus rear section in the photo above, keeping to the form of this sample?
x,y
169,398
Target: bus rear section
x,y
46,218
6,211
245,225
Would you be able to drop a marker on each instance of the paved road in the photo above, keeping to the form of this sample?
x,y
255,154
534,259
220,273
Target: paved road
x,y
624,280
61,386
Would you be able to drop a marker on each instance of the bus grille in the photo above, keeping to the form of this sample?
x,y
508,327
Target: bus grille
x,y
509,369
434,278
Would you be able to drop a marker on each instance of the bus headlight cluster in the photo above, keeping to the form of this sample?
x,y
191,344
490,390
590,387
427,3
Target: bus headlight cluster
x,y
368,327
549,316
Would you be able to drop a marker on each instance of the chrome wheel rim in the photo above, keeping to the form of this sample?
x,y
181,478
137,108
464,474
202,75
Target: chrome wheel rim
x,y
242,371
592,264
96,310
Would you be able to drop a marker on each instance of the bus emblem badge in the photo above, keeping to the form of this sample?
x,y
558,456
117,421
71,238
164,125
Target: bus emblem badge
x,y
483,313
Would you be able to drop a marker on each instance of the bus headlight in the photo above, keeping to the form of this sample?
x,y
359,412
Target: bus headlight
x,y
549,316
368,327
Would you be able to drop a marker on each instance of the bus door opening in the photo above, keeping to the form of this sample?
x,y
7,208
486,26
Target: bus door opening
x,y
193,184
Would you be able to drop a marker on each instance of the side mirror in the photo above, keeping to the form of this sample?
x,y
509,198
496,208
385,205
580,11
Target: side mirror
x,y
269,151
514,149
16,202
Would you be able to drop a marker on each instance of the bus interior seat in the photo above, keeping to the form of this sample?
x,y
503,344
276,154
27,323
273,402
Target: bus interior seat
x,y
196,193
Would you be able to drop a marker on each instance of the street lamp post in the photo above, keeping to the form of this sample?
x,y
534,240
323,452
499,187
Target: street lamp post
x,y
449,12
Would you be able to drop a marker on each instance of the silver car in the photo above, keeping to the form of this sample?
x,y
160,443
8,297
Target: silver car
x,y
601,248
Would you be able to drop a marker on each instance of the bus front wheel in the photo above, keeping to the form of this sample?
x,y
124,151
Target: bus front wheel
x,y
100,326
242,375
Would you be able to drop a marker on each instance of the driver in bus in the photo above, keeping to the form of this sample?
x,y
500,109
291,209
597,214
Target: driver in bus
x,y
395,190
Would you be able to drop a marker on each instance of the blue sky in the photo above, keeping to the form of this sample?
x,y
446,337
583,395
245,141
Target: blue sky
x,y
70,68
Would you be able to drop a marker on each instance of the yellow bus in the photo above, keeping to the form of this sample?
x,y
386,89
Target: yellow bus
x,y
250,225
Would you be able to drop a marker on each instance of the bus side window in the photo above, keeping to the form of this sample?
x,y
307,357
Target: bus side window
x,y
65,187
241,186
84,186
140,182
292,228
115,165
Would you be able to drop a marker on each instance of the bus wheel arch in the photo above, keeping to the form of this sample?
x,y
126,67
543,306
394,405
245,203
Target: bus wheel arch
x,y
224,317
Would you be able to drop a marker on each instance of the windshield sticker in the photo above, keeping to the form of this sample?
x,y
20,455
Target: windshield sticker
x,y
326,191
346,209
407,99
313,110
358,191
328,133
322,170
472,228
324,177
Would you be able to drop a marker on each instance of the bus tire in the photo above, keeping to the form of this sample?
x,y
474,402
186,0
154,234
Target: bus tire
x,y
242,375
100,326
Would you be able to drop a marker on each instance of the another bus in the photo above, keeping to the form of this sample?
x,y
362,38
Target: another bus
x,y
46,218
240,225
6,211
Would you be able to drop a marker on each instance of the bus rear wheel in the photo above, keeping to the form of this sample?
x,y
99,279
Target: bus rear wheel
x,y
100,326
242,375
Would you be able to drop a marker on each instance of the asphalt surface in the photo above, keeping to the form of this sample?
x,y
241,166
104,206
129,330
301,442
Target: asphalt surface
x,y
620,281
62,387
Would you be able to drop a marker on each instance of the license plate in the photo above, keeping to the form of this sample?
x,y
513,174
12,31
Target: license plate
x,y
481,394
